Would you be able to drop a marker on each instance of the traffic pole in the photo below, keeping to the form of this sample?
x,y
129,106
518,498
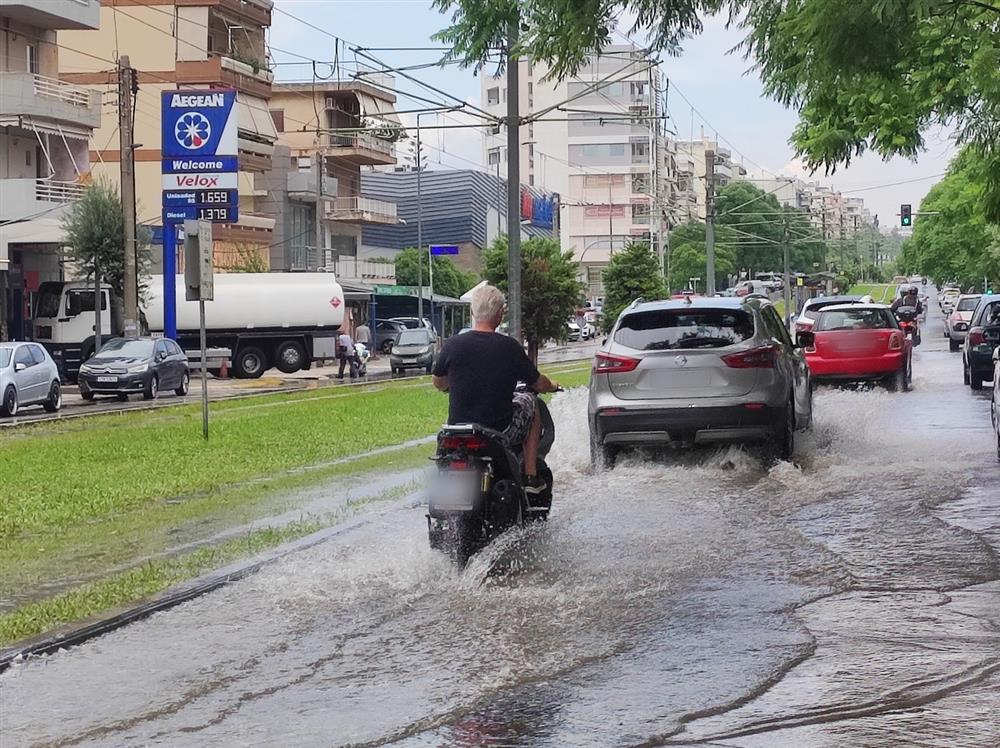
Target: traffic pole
x,y
170,280
513,186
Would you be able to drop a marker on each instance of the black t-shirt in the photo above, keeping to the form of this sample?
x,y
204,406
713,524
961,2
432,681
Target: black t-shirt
x,y
482,369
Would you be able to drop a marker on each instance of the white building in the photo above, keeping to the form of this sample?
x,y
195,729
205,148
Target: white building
x,y
45,126
597,140
692,168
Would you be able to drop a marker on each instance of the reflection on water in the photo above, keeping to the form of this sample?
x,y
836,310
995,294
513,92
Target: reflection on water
x,y
850,599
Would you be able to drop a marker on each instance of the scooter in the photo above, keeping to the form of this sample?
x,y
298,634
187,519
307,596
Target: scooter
x,y
362,354
477,492
907,317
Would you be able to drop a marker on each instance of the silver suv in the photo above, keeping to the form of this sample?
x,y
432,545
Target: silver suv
x,y
698,371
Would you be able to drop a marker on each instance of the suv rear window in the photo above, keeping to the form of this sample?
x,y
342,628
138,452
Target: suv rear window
x,y
666,329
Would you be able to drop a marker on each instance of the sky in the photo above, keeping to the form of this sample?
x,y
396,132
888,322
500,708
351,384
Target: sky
x,y
727,100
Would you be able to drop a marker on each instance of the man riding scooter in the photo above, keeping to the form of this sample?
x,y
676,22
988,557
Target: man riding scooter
x,y
907,308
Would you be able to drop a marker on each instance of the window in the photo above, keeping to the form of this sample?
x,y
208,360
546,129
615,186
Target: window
x,y
493,95
531,180
640,152
669,329
83,301
640,183
860,318
32,58
4,357
173,349
968,305
278,116
37,354
493,156
776,327
23,356
640,213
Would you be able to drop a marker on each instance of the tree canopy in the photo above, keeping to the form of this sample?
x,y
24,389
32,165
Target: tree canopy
x,y
94,228
862,74
448,279
550,290
688,259
632,273
958,243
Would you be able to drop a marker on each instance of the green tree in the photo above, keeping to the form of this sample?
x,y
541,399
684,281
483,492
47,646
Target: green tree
x,y
95,237
448,279
550,290
958,243
688,259
248,258
862,74
632,273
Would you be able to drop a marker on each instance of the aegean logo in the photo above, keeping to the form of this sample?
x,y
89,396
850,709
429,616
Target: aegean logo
x,y
193,130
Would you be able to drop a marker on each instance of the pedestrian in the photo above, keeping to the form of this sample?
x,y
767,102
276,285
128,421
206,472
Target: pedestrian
x,y
347,355
363,335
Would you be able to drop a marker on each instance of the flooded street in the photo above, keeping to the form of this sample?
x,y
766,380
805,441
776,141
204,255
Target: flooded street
x,y
701,599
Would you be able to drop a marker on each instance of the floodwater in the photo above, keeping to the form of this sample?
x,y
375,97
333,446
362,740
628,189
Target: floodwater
x,y
850,600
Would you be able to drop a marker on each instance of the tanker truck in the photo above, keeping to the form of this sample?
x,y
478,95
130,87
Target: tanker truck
x,y
285,320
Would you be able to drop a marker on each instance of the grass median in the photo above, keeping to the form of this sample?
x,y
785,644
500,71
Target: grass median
x,y
881,293
112,490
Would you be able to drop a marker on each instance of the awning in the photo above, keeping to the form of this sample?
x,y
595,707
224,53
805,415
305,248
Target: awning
x,y
37,231
47,128
254,118
356,291
382,113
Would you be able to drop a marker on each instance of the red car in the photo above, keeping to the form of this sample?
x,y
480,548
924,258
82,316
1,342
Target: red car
x,y
859,342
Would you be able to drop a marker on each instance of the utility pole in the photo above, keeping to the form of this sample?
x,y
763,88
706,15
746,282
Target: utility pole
x,y
127,86
513,186
611,226
420,229
709,225
786,247
842,240
318,225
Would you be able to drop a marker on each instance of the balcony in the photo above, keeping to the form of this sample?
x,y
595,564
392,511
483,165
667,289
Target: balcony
x,y
366,271
362,149
20,198
254,11
361,210
48,100
302,186
55,14
222,70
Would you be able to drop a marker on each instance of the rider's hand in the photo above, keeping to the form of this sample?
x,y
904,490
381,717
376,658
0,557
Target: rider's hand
x,y
556,387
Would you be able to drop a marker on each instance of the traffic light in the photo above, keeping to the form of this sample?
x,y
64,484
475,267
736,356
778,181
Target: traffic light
x,y
905,215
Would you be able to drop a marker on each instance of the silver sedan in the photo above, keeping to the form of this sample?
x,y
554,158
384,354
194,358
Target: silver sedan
x,y
28,376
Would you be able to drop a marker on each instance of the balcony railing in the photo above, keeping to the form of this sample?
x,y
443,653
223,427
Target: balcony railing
x,y
362,210
351,268
53,88
361,141
47,190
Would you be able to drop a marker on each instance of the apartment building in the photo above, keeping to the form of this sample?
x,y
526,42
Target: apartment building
x,y
599,142
182,44
334,129
45,126
692,169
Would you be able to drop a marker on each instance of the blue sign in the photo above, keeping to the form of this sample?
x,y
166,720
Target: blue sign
x,y
541,212
199,124
202,165
444,249
213,198
214,213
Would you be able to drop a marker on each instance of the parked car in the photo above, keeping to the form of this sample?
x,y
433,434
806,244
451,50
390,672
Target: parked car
x,y
412,323
126,366
588,331
811,309
949,299
956,324
995,402
572,331
698,371
28,376
858,342
980,342
414,349
947,290
747,287
386,332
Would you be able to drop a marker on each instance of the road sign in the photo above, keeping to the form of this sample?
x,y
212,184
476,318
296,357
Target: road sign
x,y
444,249
393,290
199,124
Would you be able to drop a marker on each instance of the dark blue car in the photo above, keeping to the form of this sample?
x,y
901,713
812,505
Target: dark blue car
x,y
980,342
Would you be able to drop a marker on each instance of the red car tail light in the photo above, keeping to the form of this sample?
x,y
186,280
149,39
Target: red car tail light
x,y
470,443
977,336
756,358
896,342
606,363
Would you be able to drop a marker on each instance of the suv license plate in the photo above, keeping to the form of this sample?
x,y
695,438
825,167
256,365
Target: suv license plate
x,y
108,379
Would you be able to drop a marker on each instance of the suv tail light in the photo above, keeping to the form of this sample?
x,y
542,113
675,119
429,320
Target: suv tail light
x,y
469,443
896,342
977,336
606,363
803,326
756,358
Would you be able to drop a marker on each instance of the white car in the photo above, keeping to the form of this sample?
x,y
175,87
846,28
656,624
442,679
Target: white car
x,y
956,324
28,376
949,300
572,331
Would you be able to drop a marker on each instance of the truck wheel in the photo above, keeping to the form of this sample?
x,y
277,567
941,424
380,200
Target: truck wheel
x,y
250,363
289,356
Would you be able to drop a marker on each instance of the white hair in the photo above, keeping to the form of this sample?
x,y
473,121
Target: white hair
x,y
487,304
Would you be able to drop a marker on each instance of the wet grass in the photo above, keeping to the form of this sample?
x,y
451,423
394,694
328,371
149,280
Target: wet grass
x,y
881,293
55,475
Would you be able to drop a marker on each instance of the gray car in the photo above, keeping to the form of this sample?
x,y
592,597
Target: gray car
x,y
698,371
413,349
28,376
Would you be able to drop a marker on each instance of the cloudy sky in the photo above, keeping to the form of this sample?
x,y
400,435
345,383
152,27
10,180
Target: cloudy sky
x,y
727,101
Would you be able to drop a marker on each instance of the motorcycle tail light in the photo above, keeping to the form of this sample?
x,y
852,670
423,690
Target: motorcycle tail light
x,y
977,336
470,443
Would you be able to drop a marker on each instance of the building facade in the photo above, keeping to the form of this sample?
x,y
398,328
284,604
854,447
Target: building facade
x,y
340,130
45,129
466,208
182,44
597,139
693,169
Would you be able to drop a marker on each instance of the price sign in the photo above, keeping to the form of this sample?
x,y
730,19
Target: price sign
x,y
182,198
219,214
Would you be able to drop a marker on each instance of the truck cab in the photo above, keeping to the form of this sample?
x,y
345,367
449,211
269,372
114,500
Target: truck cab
x,y
64,322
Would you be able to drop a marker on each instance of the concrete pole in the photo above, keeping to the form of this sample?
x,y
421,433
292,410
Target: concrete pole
x,y
420,229
318,225
709,223
130,284
513,187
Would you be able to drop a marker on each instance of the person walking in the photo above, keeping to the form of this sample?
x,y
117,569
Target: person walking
x,y
363,335
347,355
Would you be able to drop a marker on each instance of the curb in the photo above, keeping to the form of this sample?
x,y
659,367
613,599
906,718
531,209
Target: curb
x,y
74,634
